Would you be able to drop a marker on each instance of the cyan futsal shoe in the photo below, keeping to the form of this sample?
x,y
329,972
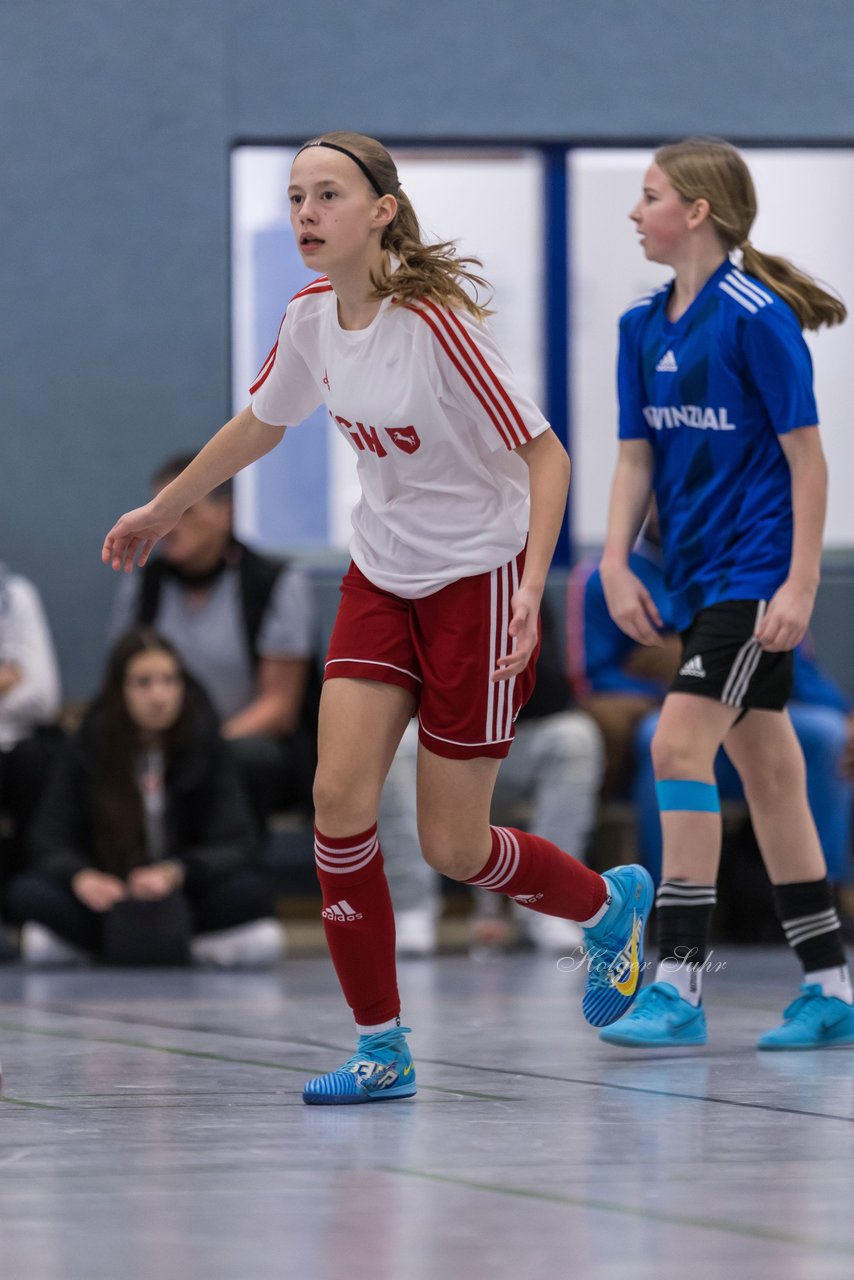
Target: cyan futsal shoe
x,y
381,1069
813,1021
615,946
659,1019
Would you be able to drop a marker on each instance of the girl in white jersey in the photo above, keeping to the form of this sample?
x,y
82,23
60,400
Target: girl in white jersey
x,y
463,491
717,415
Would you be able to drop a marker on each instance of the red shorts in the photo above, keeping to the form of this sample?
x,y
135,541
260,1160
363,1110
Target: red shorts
x,y
442,648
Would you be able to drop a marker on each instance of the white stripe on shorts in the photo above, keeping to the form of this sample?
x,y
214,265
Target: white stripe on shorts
x,y
499,697
743,669
506,730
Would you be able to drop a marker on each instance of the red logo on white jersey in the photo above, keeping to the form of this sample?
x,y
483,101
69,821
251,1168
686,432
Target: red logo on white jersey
x,y
406,438
326,380
363,437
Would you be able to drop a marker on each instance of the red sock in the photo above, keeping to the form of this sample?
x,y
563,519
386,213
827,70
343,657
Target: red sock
x,y
539,875
359,923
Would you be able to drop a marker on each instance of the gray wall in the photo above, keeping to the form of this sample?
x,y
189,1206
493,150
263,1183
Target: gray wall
x,y
115,125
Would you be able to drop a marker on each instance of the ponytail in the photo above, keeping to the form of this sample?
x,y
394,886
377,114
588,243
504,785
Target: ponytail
x,y
812,304
426,270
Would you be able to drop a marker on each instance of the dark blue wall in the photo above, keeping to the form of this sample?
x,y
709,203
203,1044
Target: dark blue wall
x,y
115,126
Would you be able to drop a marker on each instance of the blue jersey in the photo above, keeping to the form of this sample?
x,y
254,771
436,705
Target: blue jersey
x,y
712,393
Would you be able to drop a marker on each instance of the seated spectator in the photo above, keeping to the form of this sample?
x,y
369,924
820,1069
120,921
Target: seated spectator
x,y
621,684
142,842
554,771
29,706
243,624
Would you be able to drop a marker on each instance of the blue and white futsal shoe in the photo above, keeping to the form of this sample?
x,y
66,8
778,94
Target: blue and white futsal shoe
x,y
661,1019
813,1021
380,1070
615,946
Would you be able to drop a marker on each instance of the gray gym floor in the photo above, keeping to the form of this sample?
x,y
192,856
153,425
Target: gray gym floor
x,y
152,1127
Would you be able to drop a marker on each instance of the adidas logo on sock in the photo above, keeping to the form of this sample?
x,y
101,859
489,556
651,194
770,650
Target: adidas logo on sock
x,y
525,899
693,667
667,364
340,911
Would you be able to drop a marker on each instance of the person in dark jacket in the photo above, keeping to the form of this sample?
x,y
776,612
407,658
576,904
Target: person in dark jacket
x,y
143,842
243,623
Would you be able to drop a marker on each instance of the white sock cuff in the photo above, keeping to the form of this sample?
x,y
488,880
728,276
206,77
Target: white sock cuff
x,y
601,913
833,982
391,1025
686,977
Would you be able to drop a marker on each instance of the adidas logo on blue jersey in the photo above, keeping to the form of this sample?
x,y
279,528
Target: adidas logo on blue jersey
x,y
667,364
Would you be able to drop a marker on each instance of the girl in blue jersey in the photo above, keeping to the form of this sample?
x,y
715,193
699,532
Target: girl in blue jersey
x,y
717,417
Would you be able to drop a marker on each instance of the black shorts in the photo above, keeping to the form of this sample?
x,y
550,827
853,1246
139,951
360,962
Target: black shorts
x,y
721,659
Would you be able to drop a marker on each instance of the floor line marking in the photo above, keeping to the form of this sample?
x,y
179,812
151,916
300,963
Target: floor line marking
x,y
221,1057
635,1211
491,1069
25,1102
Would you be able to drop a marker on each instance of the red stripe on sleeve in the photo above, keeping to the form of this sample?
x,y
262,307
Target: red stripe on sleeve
x,y
458,366
321,285
444,318
502,390
474,358
264,371
316,286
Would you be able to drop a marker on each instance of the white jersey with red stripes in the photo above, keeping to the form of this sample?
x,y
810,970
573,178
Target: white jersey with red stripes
x,y
433,414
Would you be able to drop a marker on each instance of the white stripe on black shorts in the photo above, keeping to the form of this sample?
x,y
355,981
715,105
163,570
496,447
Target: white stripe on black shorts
x,y
721,659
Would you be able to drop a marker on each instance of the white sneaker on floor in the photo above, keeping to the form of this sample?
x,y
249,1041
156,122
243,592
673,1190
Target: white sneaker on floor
x,y
550,934
257,945
41,948
416,931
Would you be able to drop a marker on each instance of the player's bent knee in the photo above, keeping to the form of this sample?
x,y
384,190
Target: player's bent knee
x,y
450,857
674,757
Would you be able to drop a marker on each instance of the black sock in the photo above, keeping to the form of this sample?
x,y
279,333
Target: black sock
x,y
683,912
810,923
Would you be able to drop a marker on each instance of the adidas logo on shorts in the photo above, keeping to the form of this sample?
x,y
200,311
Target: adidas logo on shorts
x,y
693,667
341,911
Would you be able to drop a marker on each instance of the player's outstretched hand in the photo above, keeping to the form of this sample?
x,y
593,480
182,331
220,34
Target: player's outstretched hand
x,y
133,535
631,605
525,604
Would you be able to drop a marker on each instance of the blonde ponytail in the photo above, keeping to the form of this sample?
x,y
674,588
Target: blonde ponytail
x,y
812,305
713,170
